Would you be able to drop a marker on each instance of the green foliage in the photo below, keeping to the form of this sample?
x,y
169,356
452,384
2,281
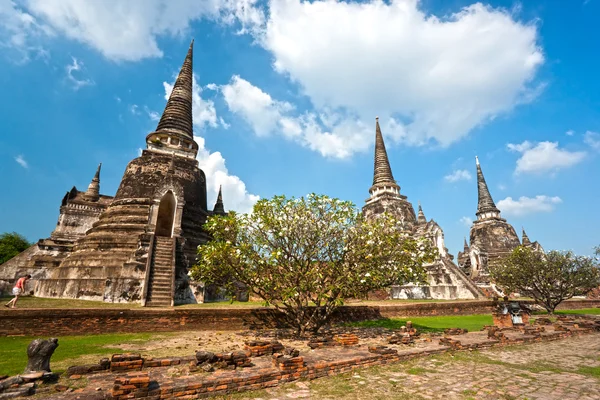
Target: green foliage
x,y
11,244
547,278
304,256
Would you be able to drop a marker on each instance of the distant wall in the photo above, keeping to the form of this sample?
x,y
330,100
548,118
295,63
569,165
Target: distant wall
x,y
60,322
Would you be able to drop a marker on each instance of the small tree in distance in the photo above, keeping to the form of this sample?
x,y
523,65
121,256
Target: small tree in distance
x,y
548,278
305,256
11,244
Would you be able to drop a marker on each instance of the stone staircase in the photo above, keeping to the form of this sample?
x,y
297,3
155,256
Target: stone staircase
x,y
160,280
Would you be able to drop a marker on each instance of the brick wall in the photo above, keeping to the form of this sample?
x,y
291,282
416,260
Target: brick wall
x,y
47,322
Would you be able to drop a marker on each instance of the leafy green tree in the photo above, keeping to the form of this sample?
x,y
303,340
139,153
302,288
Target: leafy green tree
x,y
11,244
548,278
304,256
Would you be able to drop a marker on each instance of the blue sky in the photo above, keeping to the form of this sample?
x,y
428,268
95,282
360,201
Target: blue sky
x,y
286,98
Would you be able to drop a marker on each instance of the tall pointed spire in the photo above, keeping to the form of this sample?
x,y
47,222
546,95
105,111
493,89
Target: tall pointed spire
x,y
382,175
525,240
421,217
466,245
177,116
485,204
219,207
93,191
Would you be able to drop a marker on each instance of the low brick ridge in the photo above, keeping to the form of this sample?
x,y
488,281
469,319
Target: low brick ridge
x,y
34,322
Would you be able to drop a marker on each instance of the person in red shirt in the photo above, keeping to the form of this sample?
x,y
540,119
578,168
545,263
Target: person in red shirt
x,y
18,290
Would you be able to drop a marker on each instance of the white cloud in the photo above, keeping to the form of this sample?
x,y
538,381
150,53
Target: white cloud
x,y
20,31
458,175
79,83
235,193
128,30
528,205
592,139
466,221
255,106
431,78
437,77
153,115
21,161
544,156
570,132
329,133
501,186
204,112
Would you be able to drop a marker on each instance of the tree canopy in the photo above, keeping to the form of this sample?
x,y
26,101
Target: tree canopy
x,y
11,244
305,256
549,278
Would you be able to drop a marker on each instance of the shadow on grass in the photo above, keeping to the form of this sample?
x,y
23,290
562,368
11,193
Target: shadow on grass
x,y
431,324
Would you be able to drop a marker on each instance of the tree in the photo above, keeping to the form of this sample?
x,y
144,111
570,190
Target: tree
x,y
11,244
305,256
548,278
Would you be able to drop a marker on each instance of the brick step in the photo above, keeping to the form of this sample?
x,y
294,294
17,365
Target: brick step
x,y
164,299
163,264
162,259
162,296
161,285
160,282
161,271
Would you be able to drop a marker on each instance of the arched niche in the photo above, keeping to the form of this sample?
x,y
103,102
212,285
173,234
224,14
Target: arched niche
x,y
166,215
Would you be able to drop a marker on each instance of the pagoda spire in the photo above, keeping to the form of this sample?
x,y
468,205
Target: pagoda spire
x,y
421,217
219,207
485,204
382,174
525,240
177,117
466,245
93,190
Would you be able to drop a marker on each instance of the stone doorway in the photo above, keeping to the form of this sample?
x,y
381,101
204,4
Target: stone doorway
x,y
166,215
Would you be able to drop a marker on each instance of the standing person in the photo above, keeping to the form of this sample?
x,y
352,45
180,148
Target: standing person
x,y
18,290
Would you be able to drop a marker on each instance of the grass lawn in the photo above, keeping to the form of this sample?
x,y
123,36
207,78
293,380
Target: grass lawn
x,y
432,324
594,311
14,350
39,302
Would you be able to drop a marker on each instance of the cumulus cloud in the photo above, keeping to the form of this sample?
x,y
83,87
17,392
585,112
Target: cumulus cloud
x,y
437,77
570,132
21,161
76,67
543,157
128,30
458,175
327,133
235,194
204,112
432,78
466,221
592,139
20,32
528,205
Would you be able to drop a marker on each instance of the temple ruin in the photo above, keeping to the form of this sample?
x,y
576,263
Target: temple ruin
x,y
445,279
139,245
491,238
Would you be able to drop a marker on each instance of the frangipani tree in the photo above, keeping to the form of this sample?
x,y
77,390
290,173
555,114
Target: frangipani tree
x,y
304,256
548,278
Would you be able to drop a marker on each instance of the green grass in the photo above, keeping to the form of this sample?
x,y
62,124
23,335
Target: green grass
x,y
432,324
14,349
39,302
594,311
